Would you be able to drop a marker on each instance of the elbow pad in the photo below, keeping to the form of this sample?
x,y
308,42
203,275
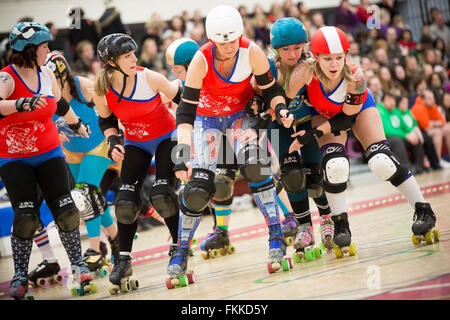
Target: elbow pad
x,y
271,92
186,111
342,122
62,107
177,97
107,123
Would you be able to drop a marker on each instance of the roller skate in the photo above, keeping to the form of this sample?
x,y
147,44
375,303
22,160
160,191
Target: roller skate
x,y
289,228
179,275
19,287
424,222
277,250
304,244
97,263
342,236
83,279
326,232
217,243
120,276
45,272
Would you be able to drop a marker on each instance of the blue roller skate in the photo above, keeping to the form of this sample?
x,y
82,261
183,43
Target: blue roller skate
x,y
179,276
277,250
19,287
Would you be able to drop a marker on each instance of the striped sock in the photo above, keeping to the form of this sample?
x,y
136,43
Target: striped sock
x,y
223,215
43,243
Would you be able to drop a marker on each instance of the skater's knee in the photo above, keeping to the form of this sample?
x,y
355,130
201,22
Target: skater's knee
x,y
26,220
127,211
65,213
292,173
224,183
383,163
251,164
164,199
336,168
200,190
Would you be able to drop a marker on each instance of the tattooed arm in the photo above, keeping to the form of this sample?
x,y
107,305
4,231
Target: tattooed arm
x,y
355,94
6,87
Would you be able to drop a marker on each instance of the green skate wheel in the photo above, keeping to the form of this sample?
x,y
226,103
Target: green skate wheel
x,y
437,235
285,265
296,258
352,249
429,238
194,241
73,291
309,255
191,252
93,289
114,289
338,252
317,252
103,272
134,284
136,236
183,281
125,287
231,249
322,247
415,241
214,253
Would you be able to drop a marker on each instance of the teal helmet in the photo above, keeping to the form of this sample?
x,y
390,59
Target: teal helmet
x,y
25,33
287,31
181,51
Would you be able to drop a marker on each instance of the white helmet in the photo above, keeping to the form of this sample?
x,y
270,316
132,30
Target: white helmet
x,y
224,24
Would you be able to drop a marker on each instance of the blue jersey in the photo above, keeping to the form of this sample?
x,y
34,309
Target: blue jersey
x,y
89,117
299,105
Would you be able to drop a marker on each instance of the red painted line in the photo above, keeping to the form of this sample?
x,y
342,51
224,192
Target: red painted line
x,y
435,289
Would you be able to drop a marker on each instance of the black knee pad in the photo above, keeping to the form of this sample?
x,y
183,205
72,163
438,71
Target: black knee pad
x,y
292,172
200,190
26,220
65,213
164,199
336,167
385,164
251,165
314,181
224,183
126,211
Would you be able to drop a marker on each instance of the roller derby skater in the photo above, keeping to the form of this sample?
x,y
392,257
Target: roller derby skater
x,y
424,222
337,91
131,94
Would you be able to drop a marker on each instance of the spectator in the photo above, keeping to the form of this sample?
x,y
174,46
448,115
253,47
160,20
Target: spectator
x,y
376,89
362,13
154,29
381,57
435,84
149,57
317,22
198,34
58,43
446,108
439,29
353,53
346,17
400,80
393,49
390,6
387,84
406,39
86,30
110,21
432,122
417,90
262,32
412,69
177,24
86,54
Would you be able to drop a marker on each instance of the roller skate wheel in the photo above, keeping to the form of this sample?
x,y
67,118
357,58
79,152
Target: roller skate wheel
x,y
103,272
270,268
114,289
214,253
338,252
194,241
40,282
136,236
190,277
183,281
57,278
437,235
290,241
134,284
205,255
125,287
429,237
222,251
191,252
169,284
296,258
290,262
309,255
93,288
352,249
318,252
74,291
415,241
231,249
285,265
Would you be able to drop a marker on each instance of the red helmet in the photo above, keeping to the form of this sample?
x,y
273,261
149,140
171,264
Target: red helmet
x,y
329,40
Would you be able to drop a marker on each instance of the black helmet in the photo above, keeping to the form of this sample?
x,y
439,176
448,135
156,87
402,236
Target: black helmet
x,y
113,45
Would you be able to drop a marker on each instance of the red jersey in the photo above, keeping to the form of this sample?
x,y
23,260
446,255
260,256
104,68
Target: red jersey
x,y
27,134
220,96
328,105
143,114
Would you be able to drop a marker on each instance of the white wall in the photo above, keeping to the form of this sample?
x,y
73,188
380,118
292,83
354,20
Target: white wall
x,y
132,11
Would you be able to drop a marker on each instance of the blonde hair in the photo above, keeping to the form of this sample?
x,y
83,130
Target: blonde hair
x,y
277,59
318,73
102,82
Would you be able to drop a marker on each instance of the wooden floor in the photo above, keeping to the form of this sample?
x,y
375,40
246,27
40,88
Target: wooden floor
x,y
387,265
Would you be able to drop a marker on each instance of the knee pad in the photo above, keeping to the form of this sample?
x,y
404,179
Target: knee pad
x,y
383,163
250,164
66,214
224,184
292,172
127,204
164,199
314,182
200,190
26,220
89,201
336,167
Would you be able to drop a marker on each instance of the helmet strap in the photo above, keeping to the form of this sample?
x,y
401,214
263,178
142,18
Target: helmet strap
x,y
125,76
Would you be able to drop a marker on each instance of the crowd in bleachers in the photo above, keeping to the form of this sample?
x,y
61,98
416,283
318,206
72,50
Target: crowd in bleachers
x,y
407,74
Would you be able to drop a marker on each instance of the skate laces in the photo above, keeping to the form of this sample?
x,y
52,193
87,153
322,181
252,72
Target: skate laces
x,y
304,234
214,234
289,221
326,226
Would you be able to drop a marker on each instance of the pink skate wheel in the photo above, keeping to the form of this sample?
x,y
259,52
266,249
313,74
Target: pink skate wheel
x,y
269,267
191,278
169,284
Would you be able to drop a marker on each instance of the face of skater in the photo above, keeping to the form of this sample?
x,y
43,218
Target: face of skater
x,y
179,71
290,54
331,64
226,50
42,51
128,62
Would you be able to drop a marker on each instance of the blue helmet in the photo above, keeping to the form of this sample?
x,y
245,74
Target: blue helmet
x,y
287,31
181,51
25,33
